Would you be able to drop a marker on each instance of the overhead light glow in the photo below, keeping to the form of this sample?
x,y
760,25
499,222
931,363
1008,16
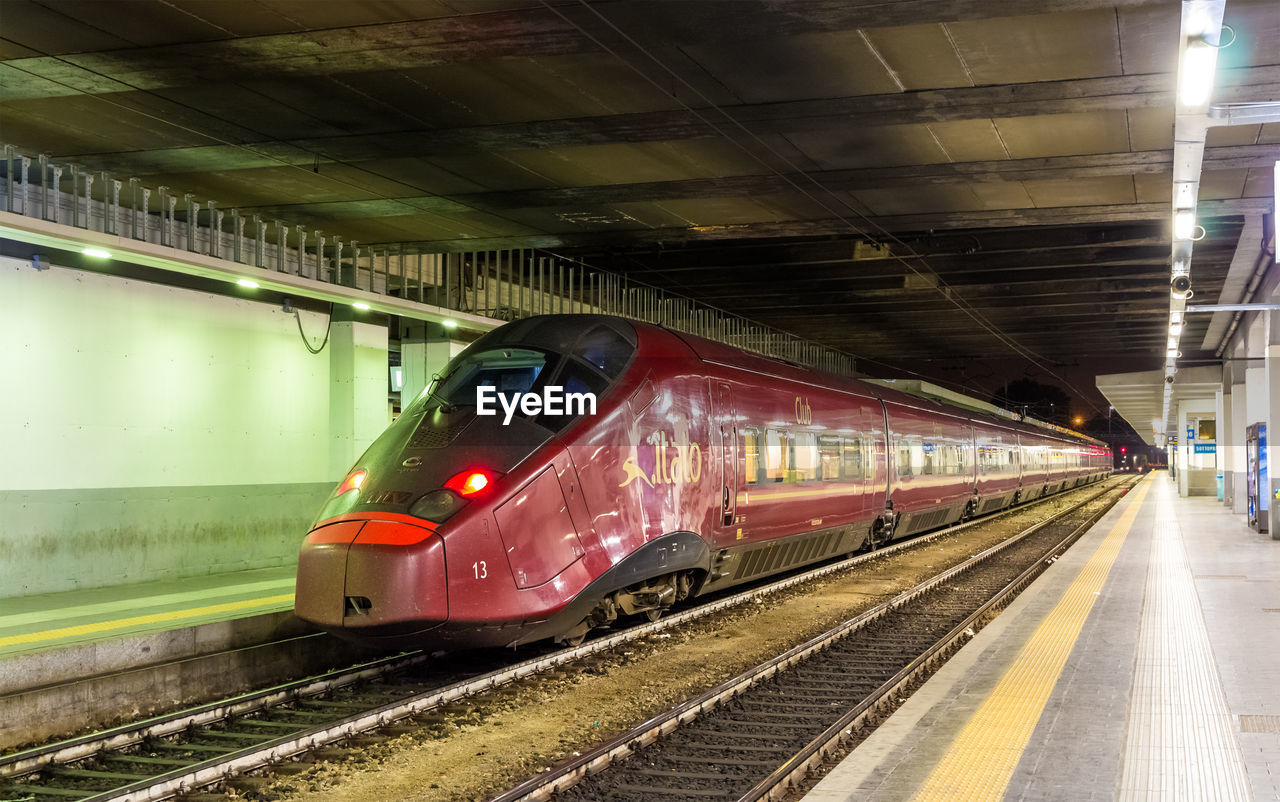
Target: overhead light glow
x,y
1175,330
449,324
247,282
1175,316
361,305
1184,224
96,253
1173,342
1172,353
1198,62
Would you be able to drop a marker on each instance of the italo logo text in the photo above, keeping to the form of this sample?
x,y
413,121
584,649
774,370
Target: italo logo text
x,y
552,400
674,462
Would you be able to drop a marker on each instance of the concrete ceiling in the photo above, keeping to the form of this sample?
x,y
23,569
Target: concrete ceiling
x,y
733,150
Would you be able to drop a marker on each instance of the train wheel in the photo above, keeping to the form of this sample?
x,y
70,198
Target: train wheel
x,y
654,614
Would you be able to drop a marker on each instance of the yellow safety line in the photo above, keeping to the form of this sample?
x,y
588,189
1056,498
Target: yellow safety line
x,y
983,756
138,620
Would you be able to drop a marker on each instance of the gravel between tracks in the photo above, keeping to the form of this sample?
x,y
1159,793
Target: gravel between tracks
x,y
505,736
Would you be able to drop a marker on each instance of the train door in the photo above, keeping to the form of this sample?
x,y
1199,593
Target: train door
x,y
728,433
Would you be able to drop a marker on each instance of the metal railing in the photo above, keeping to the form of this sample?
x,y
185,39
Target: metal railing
x,y
499,284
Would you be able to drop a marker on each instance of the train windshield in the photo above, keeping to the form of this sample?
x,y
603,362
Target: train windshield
x,y
509,370
540,355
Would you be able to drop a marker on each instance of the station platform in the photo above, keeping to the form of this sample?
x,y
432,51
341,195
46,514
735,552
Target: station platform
x,y
1144,664
92,657
47,620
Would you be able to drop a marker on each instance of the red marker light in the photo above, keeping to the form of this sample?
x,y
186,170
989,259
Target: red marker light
x,y
471,482
353,481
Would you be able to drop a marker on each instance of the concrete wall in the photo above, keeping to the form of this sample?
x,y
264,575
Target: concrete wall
x,y
152,432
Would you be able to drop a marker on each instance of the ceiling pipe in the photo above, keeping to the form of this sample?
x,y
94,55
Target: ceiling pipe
x,y
1259,270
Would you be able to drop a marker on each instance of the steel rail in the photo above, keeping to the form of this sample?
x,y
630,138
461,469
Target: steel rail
x,y
566,775
208,772
782,781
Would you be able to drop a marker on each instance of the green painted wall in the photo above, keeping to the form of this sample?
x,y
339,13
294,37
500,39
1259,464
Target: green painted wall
x,y
90,537
151,432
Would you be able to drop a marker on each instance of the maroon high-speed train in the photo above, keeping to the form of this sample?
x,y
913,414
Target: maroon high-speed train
x,y
702,466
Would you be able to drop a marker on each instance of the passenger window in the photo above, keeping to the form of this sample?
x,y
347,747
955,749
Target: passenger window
x,y
830,449
806,456
775,454
911,456
853,459
751,451
928,453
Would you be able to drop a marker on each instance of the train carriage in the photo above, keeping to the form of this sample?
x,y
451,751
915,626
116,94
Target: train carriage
x,y
698,466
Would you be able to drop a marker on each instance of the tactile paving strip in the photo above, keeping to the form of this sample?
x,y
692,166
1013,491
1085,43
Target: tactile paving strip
x,y
984,755
1180,742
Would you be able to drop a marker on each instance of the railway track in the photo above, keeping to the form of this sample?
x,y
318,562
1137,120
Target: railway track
x,y
760,734
179,753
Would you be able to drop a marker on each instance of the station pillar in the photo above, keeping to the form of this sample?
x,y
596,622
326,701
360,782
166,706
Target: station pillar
x,y
358,410
1235,460
425,348
1222,416
1271,405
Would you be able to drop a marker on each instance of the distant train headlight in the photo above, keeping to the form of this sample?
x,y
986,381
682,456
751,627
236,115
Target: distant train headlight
x,y
437,506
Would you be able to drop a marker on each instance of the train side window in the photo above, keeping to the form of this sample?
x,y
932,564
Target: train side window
x,y
829,448
751,452
929,459
910,456
775,455
806,461
854,467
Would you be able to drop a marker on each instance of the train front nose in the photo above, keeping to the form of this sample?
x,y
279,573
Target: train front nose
x,y
372,578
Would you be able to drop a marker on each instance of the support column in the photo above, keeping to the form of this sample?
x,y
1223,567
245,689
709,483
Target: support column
x,y
358,410
1236,452
1222,420
425,349
1271,405
1182,465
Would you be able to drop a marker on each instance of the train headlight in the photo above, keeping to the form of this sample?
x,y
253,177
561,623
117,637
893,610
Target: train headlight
x,y
352,482
437,506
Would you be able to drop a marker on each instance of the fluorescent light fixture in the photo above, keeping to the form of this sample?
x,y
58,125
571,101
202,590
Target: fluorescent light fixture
x,y
1175,330
96,253
361,305
1196,76
449,324
1175,316
1173,343
1184,224
247,282
1172,353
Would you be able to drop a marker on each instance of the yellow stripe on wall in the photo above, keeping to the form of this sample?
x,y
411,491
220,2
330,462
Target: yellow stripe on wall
x,y
140,620
982,759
